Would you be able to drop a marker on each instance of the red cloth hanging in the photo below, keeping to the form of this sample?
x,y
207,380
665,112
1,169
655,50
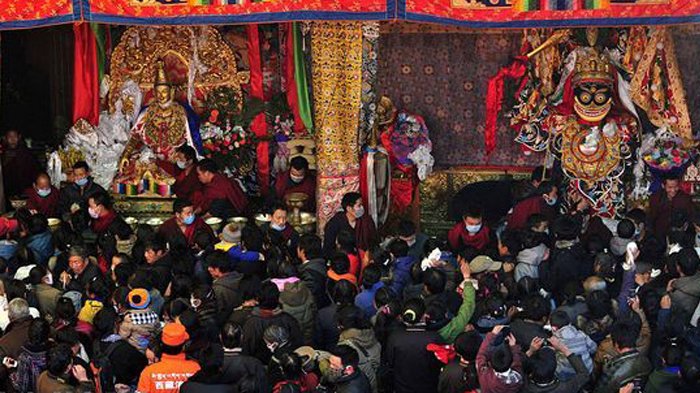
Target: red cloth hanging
x,y
289,77
494,98
86,87
259,124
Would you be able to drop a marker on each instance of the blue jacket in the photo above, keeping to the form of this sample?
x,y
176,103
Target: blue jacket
x,y
401,274
41,246
365,300
238,254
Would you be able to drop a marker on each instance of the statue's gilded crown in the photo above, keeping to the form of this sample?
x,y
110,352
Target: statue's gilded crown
x,y
592,66
161,77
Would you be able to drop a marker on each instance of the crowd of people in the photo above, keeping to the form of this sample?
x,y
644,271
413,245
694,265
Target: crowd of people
x,y
549,298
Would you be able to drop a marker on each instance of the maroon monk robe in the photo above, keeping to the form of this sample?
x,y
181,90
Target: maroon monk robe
x,y
170,230
186,184
19,170
365,232
527,207
221,188
48,206
102,223
661,209
284,185
459,237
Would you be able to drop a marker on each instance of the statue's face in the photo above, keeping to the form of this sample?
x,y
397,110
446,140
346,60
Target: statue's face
x,y
162,94
592,101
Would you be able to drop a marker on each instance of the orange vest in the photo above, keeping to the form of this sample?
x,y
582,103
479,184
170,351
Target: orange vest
x,y
167,375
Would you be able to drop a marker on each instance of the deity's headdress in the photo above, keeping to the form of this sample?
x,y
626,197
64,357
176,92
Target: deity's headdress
x,y
161,77
591,65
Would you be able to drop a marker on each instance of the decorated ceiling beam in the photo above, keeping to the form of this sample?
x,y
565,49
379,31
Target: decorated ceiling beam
x,y
24,14
549,13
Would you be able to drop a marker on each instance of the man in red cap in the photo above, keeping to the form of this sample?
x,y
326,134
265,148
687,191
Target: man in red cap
x,y
173,369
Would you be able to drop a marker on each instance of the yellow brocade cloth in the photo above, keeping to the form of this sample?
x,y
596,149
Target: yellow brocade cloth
x,y
336,49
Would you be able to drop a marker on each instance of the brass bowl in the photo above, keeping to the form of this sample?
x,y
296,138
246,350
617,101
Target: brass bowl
x,y
54,224
214,223
133,222
18,203
262,219
239,221
155,222
307,224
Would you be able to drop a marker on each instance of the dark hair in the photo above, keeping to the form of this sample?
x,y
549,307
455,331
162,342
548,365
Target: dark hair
x,y
688,261
81,165
171,350
413,311
15,288
156,244
511,240
187,151
626,228
219,260
467,345
299,163
123,272
637,215
105,321
311,245
398,248
672,353
102,198
211,358
252,238
383,296
343,292
340,263
406,228
538,174
208,165
58,359
566,228
599,304
98,288
348,355
536,219
38,333
141,279
434,281
37,224
371,275
501,358
180,204
37,274
622,333
268,297
231,335
526,286
559,319
290,365
545,187
349,200
606,263
536,307
473,211
351,317
544,366
530,239
494,306
346,241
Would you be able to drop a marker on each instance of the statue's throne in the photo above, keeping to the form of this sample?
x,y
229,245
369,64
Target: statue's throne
x,y
197,60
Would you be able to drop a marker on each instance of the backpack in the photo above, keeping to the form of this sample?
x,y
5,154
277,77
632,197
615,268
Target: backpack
x,y
102,367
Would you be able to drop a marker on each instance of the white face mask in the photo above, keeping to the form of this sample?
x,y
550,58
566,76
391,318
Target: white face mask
x,y
48,279
473,228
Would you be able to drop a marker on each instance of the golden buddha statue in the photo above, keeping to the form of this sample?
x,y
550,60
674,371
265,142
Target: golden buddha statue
x,y
158,131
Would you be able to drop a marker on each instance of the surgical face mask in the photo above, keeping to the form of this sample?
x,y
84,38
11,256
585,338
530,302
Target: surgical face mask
x,y
277,227
93,213
551,201
296,179
48,279
195,303
271,347
188,220
181,164
359,211
410,241
43,192
81,182
473,228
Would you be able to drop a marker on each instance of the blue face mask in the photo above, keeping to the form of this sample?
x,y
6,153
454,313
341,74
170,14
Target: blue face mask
x,y
473,228
43,192
551,201
188,220
181,164
82,182
359,212
278,228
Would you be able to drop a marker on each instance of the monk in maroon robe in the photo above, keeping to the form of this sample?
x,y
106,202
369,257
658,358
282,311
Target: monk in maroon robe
x,y
298,179
664,203
220,196
19,166
470,232
353,219
183,227
43,197
543,203
184,171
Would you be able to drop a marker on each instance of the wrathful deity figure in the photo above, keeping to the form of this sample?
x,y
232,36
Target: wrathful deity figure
x,y
159,130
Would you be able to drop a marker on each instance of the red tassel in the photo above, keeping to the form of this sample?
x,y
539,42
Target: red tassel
x,y
259,125
494,98
86,87
291,84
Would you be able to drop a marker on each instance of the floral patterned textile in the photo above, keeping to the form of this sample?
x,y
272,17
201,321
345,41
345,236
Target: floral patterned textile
x,y
443,77
337,77
368,111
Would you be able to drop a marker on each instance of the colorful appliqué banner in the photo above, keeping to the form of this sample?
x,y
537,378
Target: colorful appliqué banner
x,y
18,14
236,11
548,13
